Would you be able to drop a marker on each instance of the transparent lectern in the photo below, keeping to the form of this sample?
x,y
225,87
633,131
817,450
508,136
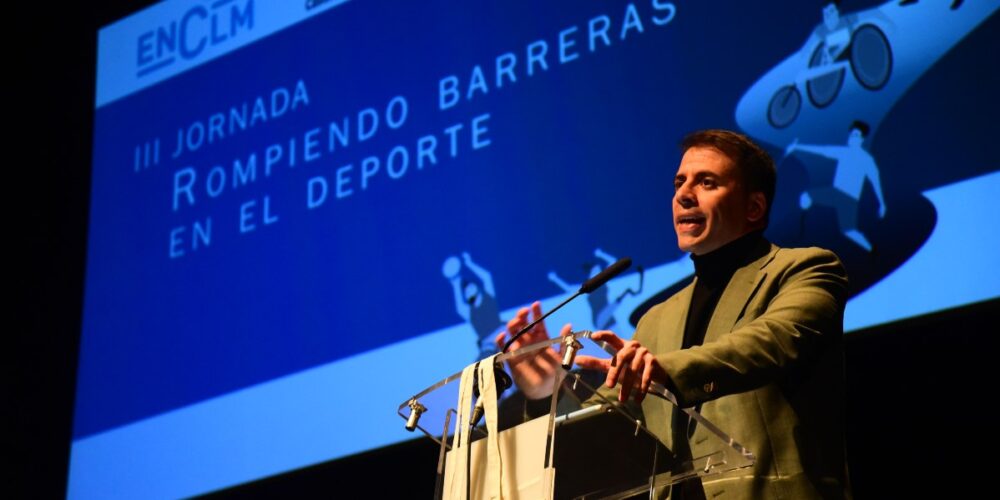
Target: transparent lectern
x,y
577,443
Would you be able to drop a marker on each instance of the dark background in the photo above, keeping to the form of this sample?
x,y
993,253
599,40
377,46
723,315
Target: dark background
x,y
916,388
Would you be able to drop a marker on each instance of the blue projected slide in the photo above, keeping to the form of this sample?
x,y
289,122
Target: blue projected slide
x,y
303,212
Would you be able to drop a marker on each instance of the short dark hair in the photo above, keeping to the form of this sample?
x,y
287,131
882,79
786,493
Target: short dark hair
x,y
756,168
861,127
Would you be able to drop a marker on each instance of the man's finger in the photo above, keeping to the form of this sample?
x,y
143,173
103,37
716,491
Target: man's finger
x,y
623,362
624,358
616,367
566,330
636,364
647,377
609,337
627,378
627,357
640,368
553,357
592,363
536,312
519,320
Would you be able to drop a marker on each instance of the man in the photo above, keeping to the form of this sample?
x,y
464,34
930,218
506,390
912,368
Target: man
x,y
755,340
855,165
475,300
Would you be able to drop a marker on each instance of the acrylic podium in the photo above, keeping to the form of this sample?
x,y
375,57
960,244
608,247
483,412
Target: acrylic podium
x,y
574,444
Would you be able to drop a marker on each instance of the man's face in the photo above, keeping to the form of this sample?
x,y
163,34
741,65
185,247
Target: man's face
x,y
711,206
831,16
855,138
471,293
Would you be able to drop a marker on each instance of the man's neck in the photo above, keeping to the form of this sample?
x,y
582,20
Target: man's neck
x,y
723,261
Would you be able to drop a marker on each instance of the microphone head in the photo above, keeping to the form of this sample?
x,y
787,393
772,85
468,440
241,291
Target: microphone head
x,y
606,275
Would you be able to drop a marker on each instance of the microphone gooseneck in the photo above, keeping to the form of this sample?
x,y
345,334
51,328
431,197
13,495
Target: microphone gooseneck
x,y
588,286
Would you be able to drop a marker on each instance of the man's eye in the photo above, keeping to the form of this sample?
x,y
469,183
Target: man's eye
x,y
708,183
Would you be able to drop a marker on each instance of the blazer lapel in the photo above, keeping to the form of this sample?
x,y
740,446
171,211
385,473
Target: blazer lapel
x,y
679,320
740,291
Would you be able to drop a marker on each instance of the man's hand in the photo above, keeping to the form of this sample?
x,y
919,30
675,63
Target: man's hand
x,y
633,367
534,373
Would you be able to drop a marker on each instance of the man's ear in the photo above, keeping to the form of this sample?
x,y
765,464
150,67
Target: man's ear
x,y
756,207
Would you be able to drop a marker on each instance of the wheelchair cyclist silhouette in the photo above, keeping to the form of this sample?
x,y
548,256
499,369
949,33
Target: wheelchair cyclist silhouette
x,y
841,42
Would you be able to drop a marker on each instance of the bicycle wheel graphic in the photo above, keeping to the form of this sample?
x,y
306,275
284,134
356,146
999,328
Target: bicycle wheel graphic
x,y
822,90
871,57
784,106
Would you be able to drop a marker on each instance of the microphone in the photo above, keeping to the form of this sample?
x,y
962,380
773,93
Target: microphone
x,y
503,380
588,286
606,275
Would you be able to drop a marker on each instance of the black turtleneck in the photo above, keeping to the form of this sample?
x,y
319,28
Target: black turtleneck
x,y
714,270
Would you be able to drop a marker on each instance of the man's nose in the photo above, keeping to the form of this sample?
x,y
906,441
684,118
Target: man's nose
x,y
685,197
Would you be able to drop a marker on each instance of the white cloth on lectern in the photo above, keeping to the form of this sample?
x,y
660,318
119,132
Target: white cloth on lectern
x,y
494,460
457,486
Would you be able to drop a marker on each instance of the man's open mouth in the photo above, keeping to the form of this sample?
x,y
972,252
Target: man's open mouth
x,y
690,221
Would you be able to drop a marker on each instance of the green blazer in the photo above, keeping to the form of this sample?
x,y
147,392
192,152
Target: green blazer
x,y
770,373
